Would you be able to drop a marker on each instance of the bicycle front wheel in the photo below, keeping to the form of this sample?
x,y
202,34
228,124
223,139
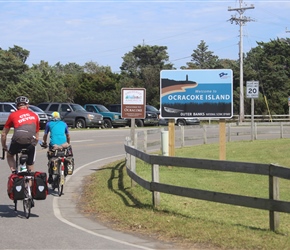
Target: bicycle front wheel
x,y
60,190
27,207
58,184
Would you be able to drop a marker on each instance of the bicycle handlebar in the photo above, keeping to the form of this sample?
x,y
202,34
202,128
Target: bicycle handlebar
x,y
42,144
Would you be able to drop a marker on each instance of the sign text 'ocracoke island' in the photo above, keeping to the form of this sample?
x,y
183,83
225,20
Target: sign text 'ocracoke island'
x,y
196,93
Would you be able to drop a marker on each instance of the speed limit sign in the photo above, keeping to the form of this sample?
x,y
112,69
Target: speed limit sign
x,y
252,89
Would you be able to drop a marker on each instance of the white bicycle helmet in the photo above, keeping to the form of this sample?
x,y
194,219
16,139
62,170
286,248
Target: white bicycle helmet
x,y
21,99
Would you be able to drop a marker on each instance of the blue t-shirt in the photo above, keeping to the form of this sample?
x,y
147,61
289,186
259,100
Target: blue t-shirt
x,y
58,130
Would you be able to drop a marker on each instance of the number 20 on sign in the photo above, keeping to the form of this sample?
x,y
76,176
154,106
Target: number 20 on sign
x,y
252,89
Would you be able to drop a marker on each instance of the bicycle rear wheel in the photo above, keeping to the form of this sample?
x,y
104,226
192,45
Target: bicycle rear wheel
x,y
54,182
15,205
27,207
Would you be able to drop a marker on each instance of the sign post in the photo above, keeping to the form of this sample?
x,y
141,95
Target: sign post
x,y
171,133
252,92
133,106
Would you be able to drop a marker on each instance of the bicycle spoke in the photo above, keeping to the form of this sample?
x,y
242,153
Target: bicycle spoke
x,y
15,205
59,186
61,189
54,183
27,207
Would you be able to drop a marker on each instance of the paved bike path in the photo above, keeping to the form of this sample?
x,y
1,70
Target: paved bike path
x,y
66,211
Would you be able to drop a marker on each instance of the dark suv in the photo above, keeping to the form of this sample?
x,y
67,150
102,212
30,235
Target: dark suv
x,y
73,114
111,119
151,119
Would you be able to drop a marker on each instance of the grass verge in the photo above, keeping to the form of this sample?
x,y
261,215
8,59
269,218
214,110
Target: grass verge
x,y
109,197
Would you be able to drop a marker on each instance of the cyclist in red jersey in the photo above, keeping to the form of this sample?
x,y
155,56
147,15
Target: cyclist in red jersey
x,y
25,135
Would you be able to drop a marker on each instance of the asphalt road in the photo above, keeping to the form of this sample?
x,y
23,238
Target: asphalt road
x,y
54,223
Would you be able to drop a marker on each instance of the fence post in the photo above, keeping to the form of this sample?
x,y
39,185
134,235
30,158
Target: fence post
x,y
164,143
256,131
281,131
204,134
155,178
182,136
145,141
128,156
229,132
273,195
132,163
135,140
222,138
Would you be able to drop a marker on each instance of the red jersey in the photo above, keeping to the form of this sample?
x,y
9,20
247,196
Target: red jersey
x,y
25,124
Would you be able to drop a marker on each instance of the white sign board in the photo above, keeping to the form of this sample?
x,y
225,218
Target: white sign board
x,y
252,89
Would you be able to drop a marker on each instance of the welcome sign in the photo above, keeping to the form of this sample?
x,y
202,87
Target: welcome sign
x,y
196,93
133,103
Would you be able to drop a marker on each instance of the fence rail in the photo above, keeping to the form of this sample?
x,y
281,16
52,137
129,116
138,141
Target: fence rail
x,y
263,118
274,172
204,134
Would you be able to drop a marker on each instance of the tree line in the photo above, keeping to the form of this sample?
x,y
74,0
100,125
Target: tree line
x,y
268,63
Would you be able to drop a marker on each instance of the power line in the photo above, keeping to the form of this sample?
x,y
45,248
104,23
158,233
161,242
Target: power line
x,y
241,21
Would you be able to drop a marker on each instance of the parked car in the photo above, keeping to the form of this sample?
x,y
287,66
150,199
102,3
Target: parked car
x,y
180,121
7,107
150,108
111,119
151,118
43,117
73,114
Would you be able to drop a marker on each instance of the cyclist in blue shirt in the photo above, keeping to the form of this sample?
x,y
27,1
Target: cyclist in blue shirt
x,y
58,129
59,134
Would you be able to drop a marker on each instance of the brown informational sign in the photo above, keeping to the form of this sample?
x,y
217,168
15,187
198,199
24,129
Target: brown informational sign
x,y
133,103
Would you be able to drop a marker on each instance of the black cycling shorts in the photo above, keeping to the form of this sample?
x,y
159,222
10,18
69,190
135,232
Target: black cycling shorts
x,y
15,148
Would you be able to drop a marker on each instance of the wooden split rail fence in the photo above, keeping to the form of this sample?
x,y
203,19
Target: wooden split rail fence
x,y
274,172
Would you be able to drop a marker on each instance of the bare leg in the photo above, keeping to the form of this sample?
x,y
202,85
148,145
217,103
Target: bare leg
x,y
11,162
30,167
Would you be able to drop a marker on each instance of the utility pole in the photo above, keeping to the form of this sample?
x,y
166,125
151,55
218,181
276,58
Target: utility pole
x,y
241,20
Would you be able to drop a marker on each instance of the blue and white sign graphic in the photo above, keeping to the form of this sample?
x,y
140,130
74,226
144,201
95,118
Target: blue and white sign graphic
x,y
204,93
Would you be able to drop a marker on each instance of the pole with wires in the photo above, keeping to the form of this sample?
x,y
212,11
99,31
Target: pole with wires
x,y
241,20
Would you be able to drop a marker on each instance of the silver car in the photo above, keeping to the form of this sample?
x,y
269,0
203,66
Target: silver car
x,y
7,107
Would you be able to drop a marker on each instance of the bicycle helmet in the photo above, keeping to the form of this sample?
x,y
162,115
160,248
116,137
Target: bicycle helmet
x,y
55,115
21,100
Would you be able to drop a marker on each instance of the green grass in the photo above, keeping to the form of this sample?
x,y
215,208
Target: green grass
x,y
109,197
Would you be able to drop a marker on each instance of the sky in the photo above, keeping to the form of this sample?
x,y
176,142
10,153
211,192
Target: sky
x,y
104,31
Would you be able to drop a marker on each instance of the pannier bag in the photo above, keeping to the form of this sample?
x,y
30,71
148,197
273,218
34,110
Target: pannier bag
x,y
69,151
40,189
55,153
69,165
53,165
59,152
15,187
